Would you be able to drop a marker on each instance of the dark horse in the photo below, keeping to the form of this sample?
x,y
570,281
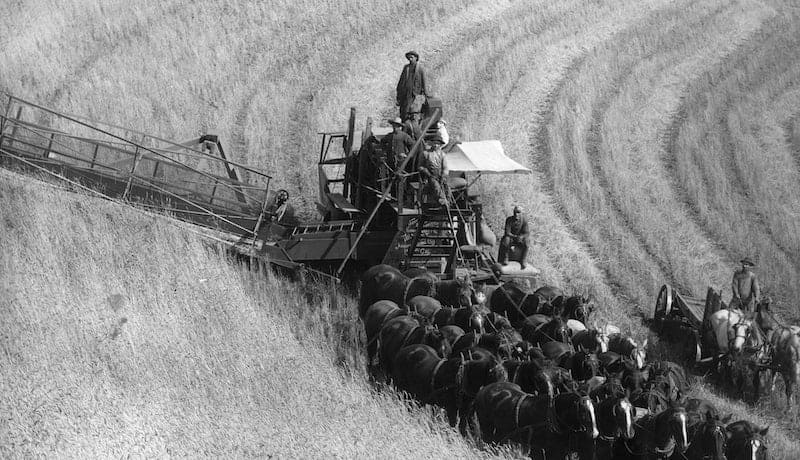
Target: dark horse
x,y
627,347
470,319
746,441
581,364
593,340
514,301
557,426
551,300
707,436
577,307
539,379
446,383
403,331
375,317
614,417
384,282
785,346
539,329
657,436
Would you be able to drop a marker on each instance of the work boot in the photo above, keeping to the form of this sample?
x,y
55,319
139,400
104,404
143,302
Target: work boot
x,y
522,265
504,262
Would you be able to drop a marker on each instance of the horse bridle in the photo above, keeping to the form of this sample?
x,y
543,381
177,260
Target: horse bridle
x,y
665,451
539,330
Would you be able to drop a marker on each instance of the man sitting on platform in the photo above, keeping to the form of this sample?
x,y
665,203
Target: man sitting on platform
x,y
516,234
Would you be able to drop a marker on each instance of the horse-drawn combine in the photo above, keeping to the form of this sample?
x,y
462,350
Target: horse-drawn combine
x,y
524,365
365,221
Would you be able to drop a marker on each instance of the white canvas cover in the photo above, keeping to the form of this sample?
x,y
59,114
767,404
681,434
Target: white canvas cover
x,y
486,157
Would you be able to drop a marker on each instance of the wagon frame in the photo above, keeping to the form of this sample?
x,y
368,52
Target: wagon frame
x,y
677,316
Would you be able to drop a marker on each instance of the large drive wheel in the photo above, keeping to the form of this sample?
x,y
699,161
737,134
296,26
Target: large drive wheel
x,y
694,350
663,307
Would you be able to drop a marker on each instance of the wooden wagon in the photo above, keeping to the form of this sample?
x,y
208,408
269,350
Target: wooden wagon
x,y
682,319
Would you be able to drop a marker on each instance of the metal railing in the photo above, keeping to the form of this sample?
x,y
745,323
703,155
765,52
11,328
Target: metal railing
x,y
191,177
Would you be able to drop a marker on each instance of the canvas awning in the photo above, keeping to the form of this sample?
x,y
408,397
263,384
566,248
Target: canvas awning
x,y
485,157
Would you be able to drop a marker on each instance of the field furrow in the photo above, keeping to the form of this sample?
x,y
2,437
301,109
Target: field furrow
x,y
747,203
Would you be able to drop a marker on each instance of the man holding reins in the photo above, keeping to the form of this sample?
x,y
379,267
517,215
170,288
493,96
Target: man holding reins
x,y
746,291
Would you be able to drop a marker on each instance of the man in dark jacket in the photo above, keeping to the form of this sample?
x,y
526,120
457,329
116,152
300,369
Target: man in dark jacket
x,y
411,89
397,144
746,291
516,234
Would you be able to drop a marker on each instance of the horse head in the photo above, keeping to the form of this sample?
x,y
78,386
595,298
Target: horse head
x,y
578,308
586,416
543,382
576,412
476,321
464,292
622,411
711,438
558,330
639,355
497,322
479,295
672,423
746,333
437,340
584,365
746,441
601,337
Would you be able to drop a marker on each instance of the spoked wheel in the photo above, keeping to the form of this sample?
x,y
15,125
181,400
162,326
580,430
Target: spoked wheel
x,y
663,307
694,351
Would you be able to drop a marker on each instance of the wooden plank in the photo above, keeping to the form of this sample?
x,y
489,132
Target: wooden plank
x,y
691,307
340,202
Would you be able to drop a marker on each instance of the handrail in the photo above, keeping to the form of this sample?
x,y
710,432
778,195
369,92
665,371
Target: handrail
x,y
167,192
123,151
127,141
98,167
86,122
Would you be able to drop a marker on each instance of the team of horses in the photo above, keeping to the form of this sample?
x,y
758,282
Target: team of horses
x,y
755,348
517,365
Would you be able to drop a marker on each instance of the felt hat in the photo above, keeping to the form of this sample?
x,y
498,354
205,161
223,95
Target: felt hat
x,y
396,121
412,53
747,261
517,208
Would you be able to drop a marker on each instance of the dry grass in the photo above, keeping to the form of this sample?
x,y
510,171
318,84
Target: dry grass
x,y
736,163
123,334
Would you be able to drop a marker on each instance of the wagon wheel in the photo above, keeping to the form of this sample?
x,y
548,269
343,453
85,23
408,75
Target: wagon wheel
x,y
694,350
663,306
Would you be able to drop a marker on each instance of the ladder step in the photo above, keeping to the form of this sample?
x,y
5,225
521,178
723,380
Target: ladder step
x,y
428,256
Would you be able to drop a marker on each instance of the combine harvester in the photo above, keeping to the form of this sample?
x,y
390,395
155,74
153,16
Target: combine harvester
x,y
367,216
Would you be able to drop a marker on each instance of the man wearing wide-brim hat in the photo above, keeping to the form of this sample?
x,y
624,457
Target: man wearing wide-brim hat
x,y
746,292
412,88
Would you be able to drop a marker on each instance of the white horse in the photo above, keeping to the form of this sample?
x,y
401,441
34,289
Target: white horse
x,y
722,323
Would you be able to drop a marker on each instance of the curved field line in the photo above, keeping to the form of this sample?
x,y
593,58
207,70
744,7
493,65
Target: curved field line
x,y
648,199
753,216
708,200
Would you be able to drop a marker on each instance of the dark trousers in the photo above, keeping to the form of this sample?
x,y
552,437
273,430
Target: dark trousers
x,y
505,249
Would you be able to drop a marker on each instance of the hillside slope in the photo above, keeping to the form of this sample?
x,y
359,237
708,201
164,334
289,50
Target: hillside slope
x,y
123,334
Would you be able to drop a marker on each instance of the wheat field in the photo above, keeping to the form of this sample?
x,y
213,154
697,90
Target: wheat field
x,y
662,135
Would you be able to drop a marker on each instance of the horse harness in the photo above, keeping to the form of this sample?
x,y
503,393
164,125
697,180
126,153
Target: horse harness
x,y
661,452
